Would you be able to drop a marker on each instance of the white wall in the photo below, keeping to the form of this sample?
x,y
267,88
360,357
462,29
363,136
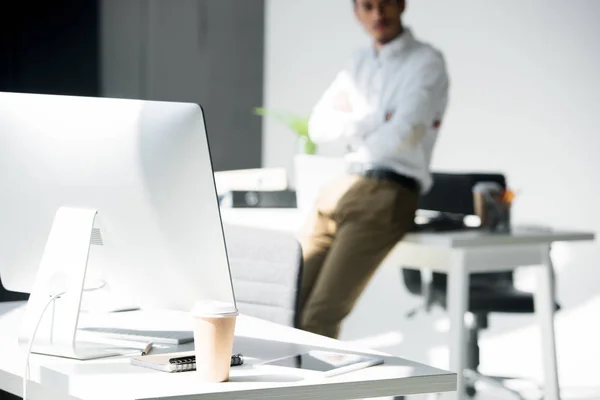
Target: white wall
x,y
525,100
306,43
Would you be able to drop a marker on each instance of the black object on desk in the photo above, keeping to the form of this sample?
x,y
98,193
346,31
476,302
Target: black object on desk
x,y
259,199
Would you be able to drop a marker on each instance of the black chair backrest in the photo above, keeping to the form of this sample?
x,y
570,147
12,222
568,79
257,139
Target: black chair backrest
x,y
452,193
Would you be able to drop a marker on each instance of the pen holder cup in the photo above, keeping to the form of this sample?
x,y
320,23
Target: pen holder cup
x,y
489,207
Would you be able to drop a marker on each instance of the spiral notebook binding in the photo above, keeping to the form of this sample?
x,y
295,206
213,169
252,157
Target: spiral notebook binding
x,y
183,364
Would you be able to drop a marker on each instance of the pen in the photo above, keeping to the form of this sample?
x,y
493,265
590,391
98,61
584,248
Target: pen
x,y
147,349
236,360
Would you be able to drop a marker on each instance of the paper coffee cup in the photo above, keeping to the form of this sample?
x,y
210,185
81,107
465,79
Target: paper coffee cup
x,y
214,327
488,205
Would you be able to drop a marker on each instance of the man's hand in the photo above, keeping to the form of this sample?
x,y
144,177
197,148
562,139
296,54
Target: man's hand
x,y
341,102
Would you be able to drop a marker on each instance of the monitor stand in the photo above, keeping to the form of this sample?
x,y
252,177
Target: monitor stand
x,y
62,271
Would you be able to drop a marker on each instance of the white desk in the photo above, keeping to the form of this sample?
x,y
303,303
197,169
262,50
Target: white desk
x,y
459,254
115,378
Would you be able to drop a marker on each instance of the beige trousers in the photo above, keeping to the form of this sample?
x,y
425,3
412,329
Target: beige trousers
x,y
356,222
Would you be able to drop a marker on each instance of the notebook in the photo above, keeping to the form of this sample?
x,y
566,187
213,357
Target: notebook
x,y
176,362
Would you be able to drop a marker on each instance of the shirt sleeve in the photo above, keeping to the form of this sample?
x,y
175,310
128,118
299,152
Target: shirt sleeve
x,y
414,111
327,123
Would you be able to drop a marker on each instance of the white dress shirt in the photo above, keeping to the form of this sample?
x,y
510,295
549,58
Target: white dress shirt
x,y
388,106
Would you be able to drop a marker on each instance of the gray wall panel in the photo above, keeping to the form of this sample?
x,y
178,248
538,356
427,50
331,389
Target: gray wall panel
x,y
209,52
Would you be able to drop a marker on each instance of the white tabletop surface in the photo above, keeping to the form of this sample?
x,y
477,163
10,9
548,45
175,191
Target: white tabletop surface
x,y
477,238
291,219
116,378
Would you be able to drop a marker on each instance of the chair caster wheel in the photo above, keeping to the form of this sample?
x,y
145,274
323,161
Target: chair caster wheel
x,y
471,392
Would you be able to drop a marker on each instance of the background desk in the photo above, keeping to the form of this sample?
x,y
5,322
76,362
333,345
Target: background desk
x,y
459,254
115,378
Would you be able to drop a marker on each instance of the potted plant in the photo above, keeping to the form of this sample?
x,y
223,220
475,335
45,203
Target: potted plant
x,y
296,123
311,171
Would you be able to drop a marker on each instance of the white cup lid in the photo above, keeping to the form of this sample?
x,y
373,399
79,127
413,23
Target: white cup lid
x,y
481,187
208,308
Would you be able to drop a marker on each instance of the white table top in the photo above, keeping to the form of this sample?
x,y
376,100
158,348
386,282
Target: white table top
x,y
116,378
290,220
476,238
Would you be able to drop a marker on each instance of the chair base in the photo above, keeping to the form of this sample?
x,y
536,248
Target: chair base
x,y
472,377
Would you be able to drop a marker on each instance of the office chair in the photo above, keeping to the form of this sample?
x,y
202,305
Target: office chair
x,y
452,196
488,293
266,270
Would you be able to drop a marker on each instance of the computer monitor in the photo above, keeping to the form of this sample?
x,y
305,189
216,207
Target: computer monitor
x,y
124,187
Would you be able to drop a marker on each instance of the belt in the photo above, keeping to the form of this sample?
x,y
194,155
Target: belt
x,y
386,175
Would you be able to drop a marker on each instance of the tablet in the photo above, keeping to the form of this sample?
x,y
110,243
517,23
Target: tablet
x,y
324,363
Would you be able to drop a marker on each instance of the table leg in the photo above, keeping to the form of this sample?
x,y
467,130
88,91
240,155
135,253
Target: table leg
x,y
458,301
544,309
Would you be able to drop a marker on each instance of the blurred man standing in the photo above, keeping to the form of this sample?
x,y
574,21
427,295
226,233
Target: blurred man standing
x,y
387,105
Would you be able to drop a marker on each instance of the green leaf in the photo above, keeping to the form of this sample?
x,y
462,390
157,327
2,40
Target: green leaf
x,y
298,124
310,147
